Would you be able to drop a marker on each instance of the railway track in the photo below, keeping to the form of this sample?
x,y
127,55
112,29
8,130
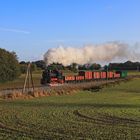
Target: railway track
x,y
63,86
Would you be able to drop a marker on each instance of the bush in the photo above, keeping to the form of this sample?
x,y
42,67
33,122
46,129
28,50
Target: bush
x,y
9,66
40,64
23,67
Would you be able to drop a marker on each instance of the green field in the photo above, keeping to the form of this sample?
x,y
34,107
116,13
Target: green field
x,y
133,72
111,114
19,82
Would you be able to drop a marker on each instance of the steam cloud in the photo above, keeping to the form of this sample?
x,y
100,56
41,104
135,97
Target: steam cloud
x,y
91,54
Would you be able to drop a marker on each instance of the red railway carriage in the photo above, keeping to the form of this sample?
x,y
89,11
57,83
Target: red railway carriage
x,y
86,74
96,75
79,78
110,75
69,78
103,75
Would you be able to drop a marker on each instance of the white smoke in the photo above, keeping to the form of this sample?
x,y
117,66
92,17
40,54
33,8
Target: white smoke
x,y
91,54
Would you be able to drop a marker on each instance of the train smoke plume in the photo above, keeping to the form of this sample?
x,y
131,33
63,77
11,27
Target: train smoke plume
x,y
90,54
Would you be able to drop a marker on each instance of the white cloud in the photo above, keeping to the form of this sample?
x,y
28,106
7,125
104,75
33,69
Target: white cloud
x,y
14,30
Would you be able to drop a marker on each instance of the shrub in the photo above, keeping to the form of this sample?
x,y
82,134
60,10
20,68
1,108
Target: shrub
x,y
9,66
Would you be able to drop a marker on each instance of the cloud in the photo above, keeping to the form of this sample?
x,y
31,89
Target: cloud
x,y
101,53
14,30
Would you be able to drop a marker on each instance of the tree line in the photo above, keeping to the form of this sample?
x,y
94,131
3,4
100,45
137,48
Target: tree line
x,y
40,65
128,65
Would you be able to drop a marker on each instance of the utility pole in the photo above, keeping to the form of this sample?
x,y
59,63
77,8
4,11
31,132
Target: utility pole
x,y
107,73
138,68
28,80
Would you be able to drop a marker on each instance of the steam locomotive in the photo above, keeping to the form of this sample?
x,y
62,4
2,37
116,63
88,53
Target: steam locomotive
x,y
56,77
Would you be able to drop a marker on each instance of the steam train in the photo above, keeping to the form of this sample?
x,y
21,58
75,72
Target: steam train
x,y
56,77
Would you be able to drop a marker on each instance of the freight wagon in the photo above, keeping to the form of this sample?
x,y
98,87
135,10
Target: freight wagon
x,y
56,77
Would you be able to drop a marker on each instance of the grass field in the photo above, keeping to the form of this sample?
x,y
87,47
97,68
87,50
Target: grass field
x,y
134,73
111,114
19,82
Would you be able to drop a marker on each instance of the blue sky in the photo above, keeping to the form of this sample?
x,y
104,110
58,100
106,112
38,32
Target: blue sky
x,y
31,27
